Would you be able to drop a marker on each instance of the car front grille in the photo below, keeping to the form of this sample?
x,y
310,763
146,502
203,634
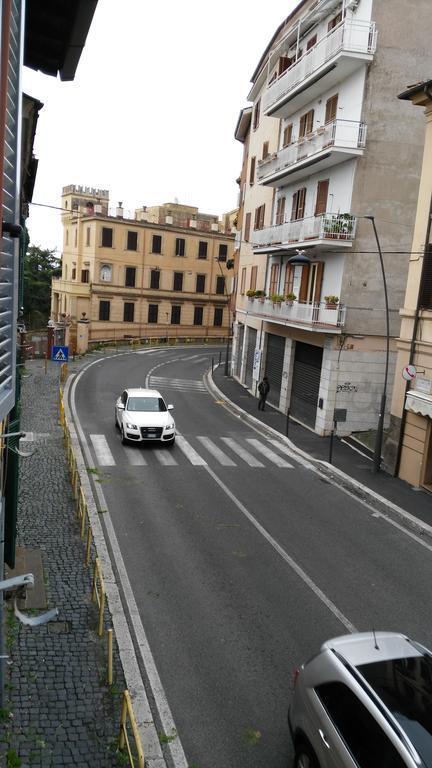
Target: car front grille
x,y
151,433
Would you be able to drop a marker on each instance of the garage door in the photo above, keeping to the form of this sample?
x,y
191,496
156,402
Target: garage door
x,y
306,382
274,366
251,344
240,342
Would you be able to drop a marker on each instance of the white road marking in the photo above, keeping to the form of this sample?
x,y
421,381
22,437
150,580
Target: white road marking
x,y
285,556
165,457
216,452
242,452
158,382
268,453
190,452
401,528
101,448
134,456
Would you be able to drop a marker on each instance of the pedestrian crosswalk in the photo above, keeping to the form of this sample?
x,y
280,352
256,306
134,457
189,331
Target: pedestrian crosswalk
x,y
197,451
183,385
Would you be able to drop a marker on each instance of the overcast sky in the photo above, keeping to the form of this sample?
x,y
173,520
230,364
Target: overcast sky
x,y
151,113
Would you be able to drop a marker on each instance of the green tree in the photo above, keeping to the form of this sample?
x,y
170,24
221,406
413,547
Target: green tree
x,y
40,265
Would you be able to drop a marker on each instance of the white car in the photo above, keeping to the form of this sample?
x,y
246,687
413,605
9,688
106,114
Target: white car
x,y
143,416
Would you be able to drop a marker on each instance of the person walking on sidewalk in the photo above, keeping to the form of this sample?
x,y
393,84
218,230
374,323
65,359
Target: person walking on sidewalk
x,y
263,389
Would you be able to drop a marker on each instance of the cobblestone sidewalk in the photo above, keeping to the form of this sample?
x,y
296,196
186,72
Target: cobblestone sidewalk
x,y
59,711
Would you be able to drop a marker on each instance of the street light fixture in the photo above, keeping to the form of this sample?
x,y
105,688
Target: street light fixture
x,y
299,260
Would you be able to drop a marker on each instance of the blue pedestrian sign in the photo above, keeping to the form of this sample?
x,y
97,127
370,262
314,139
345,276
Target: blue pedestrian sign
x,y
60,354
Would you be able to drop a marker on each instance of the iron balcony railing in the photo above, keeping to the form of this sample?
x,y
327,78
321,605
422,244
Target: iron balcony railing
x,y
329,226
357,37
340,134
316,313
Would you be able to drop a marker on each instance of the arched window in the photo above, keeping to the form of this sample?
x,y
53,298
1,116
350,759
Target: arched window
x,y
106,273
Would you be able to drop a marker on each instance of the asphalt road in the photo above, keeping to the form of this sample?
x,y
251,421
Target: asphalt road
x,y
241,563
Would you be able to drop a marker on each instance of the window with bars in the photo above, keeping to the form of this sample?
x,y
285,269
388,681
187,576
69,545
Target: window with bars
x,y
175,314
218,316
153,310
178,281
130,277
180,246
154,278
200,283
198,316
132,241
107,237
202,249
156,244
104,310
128,311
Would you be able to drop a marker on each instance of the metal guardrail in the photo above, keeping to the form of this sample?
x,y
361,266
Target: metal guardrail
x,y
136,758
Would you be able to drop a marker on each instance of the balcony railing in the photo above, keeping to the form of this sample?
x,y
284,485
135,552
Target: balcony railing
x,y
329,226
356,37
340,134
315,313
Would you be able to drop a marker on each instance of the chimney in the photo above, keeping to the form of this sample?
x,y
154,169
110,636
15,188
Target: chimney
x,y
119,211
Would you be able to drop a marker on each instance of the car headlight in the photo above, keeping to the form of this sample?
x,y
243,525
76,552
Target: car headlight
x,y
169,427
131,426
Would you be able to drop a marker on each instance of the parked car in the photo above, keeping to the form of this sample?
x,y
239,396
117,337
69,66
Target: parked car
x,y
143,416
364,701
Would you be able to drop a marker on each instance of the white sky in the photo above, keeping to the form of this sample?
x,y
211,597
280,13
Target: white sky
x,y
151,113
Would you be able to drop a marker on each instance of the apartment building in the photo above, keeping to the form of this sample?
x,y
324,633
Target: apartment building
x,y
411,433
162,271
328,146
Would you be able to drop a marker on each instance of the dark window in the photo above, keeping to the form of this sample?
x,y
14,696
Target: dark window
x,y
107,237
247,227
88,236
256,115
220,284
202,249
265,150
426,281
175,315
180,246
157,244
353,721
252,170
130,277
85,276
73,273
200,283
178,281
153,313
132,241
322,195
218,316
259,217
198,315
154,278
128,311
104,310
223,252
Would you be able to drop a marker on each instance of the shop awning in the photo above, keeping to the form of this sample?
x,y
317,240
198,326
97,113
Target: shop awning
x,y
418,402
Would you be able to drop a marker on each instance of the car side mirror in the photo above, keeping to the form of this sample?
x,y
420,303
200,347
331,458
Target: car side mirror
x,y
170,407
121,407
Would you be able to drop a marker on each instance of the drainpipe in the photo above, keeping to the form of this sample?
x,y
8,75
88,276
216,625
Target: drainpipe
x,y
413,338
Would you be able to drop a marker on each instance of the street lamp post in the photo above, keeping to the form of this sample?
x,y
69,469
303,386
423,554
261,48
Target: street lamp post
x,y
379,435
227,351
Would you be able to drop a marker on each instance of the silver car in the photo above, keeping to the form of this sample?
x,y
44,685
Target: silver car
x,y
364,701
143,416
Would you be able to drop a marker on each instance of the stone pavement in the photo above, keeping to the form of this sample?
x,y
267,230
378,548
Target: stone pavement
x,y
58,708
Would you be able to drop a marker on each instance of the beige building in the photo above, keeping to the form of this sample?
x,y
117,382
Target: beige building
x,y
412,400
161,272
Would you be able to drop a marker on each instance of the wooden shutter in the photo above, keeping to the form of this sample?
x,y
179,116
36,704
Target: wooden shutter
x,y
318,280
294,206
243,280
309,121
261,210
284,63
302,126
322,195
301,203
252,170
289,279
334,22
274,278
304,283
265,150
253,278
331,109
311,42
247,227
287,135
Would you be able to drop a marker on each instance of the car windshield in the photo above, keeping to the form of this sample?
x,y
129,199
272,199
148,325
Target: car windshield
x,y
405,687
147,404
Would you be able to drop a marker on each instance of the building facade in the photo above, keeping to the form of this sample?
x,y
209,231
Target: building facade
x,y
324,153
160,273
412,396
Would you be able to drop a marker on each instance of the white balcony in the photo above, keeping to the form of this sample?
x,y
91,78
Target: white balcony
x,y
343,50
315,315
327,231
326,146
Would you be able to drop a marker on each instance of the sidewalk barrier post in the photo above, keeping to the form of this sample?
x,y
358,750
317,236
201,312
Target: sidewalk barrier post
x,y
110,656
88,547
331,441
287,422
124,741
212,365
98,594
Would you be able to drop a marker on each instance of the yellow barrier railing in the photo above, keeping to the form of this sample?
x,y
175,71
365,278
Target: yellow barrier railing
x,y
134,750
98,594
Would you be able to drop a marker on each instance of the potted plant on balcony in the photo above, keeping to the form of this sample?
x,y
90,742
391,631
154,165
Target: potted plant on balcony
x,y
260,295
339,226
251,293
276,298
230,264
289,298
331,302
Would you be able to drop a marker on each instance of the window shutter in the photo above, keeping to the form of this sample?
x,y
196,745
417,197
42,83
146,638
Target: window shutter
x,y
331,109
318,280
294,206
247,227
284,63
302,127
301,203
274,278
322,195
253,278
252,171
311,42
280,210
304,283
289,279
309,121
